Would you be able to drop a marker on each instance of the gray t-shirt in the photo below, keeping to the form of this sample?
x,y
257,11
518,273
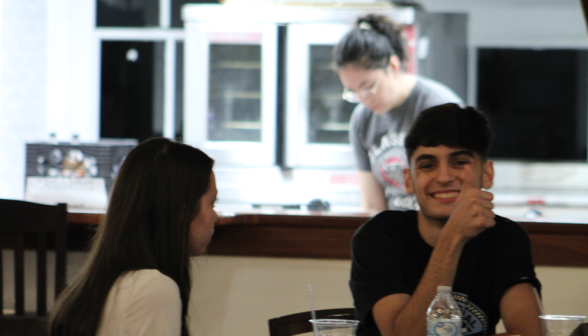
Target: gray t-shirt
x,y
378,141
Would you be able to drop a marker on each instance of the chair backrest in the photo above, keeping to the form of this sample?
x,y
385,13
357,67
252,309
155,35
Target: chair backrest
x,y
24,224
581,330
299,323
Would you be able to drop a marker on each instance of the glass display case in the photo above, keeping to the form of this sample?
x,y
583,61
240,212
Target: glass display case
x,y
317,117
329,115
234,96
261,87
230,95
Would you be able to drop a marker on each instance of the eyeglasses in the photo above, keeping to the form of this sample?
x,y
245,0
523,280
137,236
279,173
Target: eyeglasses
x,y
355,97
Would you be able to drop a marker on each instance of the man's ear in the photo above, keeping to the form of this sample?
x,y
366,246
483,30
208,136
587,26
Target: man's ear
x,y
488,178
408,181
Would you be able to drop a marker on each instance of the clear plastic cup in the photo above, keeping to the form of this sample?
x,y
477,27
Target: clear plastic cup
x,y
334,327
560,325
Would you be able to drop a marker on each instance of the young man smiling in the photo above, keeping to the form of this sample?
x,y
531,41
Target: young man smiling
x,y
454,239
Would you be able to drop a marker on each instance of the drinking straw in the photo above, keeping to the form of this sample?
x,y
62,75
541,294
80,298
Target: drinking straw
x,y
311,302
313,313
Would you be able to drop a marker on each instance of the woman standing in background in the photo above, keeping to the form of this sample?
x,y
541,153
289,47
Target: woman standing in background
x,y
369,62
136,280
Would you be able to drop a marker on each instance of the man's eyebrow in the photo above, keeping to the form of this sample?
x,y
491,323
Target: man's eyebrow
x,y
425,157
451,155
462,152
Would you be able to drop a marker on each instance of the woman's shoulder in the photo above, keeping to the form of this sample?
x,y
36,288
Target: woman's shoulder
x,y
360,113
360,119
142,302
438,92
150,280
145,286
140,298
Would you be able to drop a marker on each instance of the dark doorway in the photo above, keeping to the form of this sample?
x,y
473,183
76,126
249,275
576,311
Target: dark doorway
x,y
131,89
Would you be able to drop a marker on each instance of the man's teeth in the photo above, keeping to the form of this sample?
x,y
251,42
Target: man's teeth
x,y
446,195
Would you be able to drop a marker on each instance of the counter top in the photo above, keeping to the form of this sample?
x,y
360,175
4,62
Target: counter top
x,y
307,234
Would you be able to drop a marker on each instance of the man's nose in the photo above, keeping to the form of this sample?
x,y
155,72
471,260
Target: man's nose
x,y
444,174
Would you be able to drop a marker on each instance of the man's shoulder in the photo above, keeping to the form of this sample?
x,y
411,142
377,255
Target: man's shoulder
x,y
388,221
506,224
506,229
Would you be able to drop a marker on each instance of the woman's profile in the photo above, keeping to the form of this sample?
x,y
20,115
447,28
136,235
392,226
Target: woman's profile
x,y
136,280
369,61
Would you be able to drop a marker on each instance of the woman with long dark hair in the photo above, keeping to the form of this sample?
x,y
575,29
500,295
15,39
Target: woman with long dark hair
x,y
370,62
136,280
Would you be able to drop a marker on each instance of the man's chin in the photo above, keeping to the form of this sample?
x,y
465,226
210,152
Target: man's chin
x,y
440,217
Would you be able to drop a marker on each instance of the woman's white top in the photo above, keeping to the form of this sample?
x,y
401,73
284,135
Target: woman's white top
x,y
143,302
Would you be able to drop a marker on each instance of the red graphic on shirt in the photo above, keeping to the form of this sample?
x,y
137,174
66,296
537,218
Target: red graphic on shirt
x,y
392,171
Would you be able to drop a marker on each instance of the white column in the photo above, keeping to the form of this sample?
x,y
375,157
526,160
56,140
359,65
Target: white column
x,y
72,70
164,13
169,87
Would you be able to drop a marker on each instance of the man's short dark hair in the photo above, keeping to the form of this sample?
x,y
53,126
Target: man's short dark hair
x,y
452,126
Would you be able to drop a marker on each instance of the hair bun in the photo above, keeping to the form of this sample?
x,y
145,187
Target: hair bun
x,y
365,25
383,25
370,44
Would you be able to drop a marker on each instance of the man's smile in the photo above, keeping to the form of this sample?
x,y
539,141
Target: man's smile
x,y
445,195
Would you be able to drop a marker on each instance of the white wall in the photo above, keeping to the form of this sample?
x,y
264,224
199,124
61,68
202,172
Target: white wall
x,y
237,295
72,70
23,90
519,22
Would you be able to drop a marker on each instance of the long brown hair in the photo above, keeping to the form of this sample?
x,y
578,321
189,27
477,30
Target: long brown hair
x,y
154,199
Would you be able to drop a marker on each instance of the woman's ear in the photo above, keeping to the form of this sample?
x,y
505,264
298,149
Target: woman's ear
x,y
394,64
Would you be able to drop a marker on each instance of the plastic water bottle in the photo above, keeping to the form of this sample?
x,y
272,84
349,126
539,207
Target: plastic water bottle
x,y
443,315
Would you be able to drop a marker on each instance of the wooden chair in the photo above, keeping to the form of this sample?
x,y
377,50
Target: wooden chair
x,y
581,330
25,224
299,323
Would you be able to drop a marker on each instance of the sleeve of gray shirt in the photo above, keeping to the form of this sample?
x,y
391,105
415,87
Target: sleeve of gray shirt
x,y
357,127
437,94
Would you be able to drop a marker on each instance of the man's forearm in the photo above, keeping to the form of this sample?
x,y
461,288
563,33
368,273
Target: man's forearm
x,y
440,271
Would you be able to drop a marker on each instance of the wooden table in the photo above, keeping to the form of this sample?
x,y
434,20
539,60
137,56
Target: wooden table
x,y
303,234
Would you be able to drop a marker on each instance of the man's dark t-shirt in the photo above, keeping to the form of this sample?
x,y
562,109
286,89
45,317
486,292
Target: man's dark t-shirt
x,y
389,256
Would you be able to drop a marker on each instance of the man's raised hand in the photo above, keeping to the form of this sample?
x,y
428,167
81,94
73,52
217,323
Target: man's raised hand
x,y
472,212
